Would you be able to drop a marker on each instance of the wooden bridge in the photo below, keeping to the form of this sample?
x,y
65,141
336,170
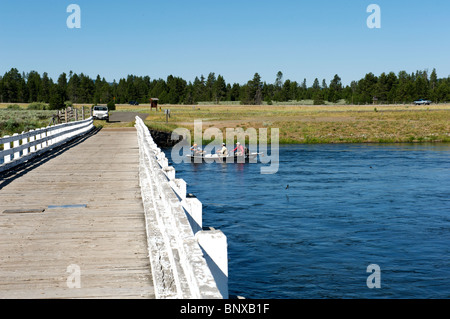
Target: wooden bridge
x,y
81,207
73,223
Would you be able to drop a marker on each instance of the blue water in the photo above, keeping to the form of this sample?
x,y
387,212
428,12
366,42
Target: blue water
x,y
346,207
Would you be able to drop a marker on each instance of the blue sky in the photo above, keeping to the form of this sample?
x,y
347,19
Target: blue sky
x,y
234,38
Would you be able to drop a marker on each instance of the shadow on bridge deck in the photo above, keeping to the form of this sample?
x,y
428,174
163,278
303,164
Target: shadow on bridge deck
x,y
8,176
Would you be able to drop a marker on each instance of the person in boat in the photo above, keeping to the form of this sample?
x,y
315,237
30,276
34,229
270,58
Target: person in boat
x,y
239,149
196,150
223,151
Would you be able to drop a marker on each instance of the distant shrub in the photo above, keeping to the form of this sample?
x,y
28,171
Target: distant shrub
x,y
68,104
318,101
14,107
11,125
38,106
111,105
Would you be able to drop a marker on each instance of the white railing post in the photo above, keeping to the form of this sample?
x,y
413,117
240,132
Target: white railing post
x,y
25,142
170,172
215,247
181,187
43,136
7,146
50,133
32,139
195,211
57,131
54,132
16,143
38,145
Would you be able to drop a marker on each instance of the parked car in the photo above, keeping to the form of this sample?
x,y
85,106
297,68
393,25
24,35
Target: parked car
x,y
100,112
133,103
422,102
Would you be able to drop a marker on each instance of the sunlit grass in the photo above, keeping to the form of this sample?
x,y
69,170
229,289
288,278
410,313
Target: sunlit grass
x,y
296,124
318,124
18,121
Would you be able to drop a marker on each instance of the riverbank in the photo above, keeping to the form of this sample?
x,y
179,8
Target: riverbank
x,y
318,124
307,124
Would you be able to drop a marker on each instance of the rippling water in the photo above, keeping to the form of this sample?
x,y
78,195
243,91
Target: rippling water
x,y
346,207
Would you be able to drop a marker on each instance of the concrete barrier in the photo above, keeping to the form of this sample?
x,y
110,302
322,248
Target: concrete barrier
x,y
187,261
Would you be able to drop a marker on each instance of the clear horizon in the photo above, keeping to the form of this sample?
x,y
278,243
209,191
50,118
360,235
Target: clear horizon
x,y
236,39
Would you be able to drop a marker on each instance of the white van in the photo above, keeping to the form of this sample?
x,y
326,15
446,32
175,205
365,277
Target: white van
x,y
100,112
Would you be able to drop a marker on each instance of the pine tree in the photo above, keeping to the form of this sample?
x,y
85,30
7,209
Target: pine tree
x,y
335,89
318,98
56,97
286,93
62,86
316,85
235,92
209,85
198,88
2,88
11,85
73,88
44,92
278,87
33,86
279,80
433,85
219,89
253,92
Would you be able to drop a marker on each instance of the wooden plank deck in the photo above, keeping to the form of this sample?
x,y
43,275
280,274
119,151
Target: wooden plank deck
x,y
93,218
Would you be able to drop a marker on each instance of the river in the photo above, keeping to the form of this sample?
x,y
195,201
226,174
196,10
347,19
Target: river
x,y
312,229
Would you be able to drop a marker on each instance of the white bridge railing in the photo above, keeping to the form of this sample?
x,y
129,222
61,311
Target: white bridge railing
x,y
187,262
20,148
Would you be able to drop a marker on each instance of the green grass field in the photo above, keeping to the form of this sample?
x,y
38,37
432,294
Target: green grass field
x,y
18,121
296,124
319,124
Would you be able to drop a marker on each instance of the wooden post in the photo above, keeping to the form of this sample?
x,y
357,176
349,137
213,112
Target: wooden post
x,y
82,112
76,114
167,112
66,115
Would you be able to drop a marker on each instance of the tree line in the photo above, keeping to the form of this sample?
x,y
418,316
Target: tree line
x,y
16,87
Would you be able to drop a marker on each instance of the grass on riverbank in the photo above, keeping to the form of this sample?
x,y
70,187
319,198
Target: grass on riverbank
x,y
318,124
296,124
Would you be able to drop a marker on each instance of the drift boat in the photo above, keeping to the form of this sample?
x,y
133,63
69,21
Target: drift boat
x,y
233,158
